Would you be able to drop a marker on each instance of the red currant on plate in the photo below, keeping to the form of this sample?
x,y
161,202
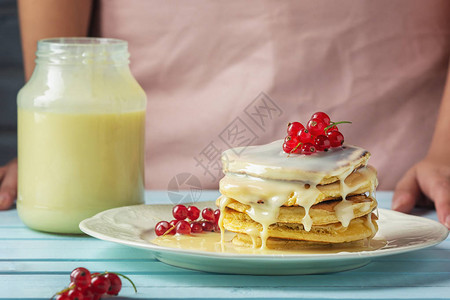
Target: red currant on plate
x,y
162,227
196,227
180,212
193,213
208,214
216,215
183,227
207,226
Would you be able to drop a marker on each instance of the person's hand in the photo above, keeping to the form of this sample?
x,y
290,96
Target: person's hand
x,y
427,180
8,184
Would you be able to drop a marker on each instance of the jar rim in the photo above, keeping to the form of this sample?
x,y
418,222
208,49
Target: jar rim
x,y
63,42
75,50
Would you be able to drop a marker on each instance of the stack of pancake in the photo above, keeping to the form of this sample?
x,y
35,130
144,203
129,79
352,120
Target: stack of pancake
x,y
278,201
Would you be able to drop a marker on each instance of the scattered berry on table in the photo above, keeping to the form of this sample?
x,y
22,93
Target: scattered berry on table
x,y
100,284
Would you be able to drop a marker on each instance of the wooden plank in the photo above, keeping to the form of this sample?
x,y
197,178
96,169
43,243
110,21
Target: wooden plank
x,y
231,286
24,233
338,280
154,267
88,249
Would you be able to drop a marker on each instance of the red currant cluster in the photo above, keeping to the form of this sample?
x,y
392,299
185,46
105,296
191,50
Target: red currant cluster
x,y
180,212
87,286
320,134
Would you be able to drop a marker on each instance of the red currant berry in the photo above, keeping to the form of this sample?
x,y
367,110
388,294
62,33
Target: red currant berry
x,y
216,216
81,277
286,148
304,136
316,126
75,295
88,294
322,143
208,214
336,138
207,226
162,227
322,116
291,141
196,227
183,227
100,284
63,296
216,227
193,213
116,284
180,212
173,225
308,149
80,271
294,128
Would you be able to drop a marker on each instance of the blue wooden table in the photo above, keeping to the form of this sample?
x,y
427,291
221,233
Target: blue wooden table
x,y
36,265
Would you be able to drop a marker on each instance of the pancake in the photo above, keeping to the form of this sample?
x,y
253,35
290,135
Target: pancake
x,y
321,213
238,186
358,229
244,240
290,200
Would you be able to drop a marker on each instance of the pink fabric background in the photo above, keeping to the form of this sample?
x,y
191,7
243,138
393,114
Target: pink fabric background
x,y
380,64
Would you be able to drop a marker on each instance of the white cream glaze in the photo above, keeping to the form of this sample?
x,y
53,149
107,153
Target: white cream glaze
x,y
269,161
344,210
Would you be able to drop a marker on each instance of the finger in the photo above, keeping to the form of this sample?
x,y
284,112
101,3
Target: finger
x,y
8,187
406,192
438,190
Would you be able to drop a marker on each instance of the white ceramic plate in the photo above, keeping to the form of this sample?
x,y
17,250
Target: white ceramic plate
x,y
127,225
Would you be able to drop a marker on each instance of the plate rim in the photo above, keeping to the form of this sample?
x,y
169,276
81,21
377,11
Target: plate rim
x,y
256,257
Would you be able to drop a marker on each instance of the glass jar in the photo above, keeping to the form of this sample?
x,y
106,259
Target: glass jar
x,y
81,120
